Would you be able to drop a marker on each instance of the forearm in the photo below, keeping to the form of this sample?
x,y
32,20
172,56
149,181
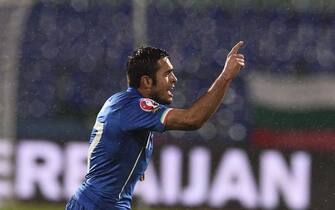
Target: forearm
x,y
205,106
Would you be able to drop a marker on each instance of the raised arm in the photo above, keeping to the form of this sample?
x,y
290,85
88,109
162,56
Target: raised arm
x,y
201,110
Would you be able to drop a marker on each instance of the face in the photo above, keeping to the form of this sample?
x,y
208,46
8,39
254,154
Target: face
x,y
162,92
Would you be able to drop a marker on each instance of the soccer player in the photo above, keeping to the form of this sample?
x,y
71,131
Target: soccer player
x,y
121,141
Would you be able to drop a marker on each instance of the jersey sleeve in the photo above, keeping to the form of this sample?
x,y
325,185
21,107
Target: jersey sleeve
x,y
144,113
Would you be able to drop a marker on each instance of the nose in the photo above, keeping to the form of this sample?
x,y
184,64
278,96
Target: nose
x,y
174,78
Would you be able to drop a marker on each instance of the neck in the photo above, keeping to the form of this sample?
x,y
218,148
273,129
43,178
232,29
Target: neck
x,y
144,92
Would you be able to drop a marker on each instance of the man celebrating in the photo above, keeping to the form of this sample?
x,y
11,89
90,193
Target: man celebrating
x,y
121,142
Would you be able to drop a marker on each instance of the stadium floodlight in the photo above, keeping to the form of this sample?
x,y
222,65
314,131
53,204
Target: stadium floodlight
x,y
139,23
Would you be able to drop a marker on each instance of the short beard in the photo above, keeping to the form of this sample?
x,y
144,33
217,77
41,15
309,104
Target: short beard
x,y
155,96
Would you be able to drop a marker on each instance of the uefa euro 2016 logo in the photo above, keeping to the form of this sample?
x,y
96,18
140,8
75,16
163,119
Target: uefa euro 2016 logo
x,y
148,105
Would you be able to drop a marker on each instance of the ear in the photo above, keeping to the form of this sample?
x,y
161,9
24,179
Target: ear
x,y
146,82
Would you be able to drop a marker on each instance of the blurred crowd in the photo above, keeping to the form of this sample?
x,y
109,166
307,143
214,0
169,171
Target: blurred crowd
x,y
73,58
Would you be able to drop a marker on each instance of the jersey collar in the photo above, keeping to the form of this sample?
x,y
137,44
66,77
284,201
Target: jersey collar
x,y
134,91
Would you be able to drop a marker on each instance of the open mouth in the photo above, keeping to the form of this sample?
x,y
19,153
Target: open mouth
x,y
170,91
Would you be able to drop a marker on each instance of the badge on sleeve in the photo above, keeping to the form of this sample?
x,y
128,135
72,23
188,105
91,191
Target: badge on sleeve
x,y
148,105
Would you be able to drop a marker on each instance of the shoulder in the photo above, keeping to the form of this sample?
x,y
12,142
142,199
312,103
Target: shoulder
x,y
142,106
120,98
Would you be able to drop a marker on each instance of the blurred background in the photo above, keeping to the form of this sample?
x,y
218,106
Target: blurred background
x,y
271,145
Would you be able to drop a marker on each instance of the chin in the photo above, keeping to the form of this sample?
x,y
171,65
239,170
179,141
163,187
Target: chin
x,y
165,101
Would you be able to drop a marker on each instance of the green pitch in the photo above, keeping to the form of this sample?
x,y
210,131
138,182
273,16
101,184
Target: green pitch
x,y
32,206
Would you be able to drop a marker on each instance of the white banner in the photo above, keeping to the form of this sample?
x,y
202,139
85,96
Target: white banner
x,y
54,172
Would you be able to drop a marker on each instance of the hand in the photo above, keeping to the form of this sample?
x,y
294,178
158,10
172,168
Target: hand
x,y
234,62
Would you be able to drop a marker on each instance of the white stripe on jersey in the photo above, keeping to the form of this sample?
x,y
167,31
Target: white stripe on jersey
x,y
165,113
100,128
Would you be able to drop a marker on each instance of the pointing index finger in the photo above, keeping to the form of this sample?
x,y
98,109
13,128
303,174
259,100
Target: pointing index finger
x,y
236,47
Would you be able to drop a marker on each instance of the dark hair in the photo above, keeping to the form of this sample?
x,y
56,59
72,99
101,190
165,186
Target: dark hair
x,y
143,62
